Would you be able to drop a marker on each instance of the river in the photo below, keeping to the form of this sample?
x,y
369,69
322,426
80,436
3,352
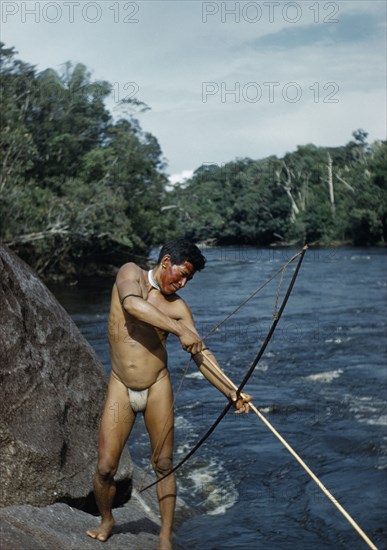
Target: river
x,y
321,383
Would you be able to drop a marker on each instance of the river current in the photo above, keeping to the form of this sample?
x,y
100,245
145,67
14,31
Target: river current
x,y
321,383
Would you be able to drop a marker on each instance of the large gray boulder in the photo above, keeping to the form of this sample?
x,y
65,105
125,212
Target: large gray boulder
x,y
52,392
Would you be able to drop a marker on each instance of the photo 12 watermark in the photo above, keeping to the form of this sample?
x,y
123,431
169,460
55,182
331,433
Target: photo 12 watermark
x,y
269,92
248,333
270,12
70,12
119,92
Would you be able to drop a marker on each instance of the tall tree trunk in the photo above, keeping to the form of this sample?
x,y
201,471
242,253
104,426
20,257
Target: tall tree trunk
x,y
330,185
287,186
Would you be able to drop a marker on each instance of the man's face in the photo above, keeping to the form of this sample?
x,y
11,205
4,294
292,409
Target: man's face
x,y
174,277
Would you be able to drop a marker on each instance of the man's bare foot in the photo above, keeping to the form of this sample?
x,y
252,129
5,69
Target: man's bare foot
x,y
103,531
165,542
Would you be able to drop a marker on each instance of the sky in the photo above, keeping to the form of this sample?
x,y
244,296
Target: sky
x,y
223,80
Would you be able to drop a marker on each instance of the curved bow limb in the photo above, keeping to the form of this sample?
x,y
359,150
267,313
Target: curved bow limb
x,y
274,324
247,376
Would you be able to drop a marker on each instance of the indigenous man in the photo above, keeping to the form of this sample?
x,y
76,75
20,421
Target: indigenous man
x,y
144,310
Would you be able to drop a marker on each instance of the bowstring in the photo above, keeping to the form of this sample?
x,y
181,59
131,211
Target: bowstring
x,y
281,270
251,296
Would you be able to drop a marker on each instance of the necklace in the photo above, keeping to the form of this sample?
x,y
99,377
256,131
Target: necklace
x,y
152,280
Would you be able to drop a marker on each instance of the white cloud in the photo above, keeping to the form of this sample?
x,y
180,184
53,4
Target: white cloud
x,y
181,177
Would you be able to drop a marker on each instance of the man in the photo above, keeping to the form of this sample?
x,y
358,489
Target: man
x,y
144,310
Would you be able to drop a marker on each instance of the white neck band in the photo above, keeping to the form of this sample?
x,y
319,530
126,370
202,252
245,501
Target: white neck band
x,y
152,280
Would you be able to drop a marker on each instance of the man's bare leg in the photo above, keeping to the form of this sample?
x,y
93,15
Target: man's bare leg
x,y
116,423
158,418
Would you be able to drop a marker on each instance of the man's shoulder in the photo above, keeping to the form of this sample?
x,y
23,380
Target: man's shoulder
x,y
129,268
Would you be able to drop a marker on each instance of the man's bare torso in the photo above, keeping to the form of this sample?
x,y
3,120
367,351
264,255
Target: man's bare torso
x,y
137,349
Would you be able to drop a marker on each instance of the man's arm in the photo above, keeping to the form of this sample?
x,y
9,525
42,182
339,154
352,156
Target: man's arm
x,y
210,368
130,294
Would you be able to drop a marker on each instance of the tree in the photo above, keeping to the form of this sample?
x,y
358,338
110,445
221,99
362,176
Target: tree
x,y
17,148
76,187
315,194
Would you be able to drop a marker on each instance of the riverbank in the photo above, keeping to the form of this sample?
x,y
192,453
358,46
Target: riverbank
x,y
210,248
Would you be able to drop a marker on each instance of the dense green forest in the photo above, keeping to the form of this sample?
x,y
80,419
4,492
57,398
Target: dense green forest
x,y
81,190
321,195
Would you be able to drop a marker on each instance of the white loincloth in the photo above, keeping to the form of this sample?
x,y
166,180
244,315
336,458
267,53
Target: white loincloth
x,y
138,399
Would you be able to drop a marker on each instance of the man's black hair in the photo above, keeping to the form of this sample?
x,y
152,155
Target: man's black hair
x,y
180,251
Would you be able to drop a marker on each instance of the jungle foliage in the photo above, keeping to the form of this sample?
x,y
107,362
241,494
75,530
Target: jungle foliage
x,y
321,195
80,189
77,188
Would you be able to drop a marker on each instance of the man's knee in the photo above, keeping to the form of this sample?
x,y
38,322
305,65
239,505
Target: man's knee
x,y
163,466
106,468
